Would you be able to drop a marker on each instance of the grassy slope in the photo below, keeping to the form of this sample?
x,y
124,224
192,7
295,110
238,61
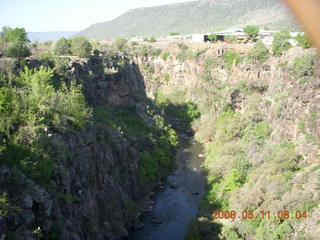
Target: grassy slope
x,y
191,17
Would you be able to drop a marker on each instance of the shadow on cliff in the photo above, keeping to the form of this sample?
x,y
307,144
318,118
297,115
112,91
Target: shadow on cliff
x,y
180,117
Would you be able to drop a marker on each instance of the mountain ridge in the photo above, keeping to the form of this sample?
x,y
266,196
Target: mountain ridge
x,y
192,17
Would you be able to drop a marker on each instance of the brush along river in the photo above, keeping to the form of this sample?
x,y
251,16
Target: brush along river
x,y
177,203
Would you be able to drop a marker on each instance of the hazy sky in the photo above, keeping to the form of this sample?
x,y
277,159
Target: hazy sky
x,y
66,15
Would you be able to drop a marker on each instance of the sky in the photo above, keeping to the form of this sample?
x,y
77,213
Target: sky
x,y
66,15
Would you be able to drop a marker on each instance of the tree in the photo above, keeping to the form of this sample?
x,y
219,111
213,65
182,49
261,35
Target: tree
x,y
251,31
15,42
151,39
280,42
230,58
213,37
17,50
304,67
120,43
259,53
14,35
63,47
303,41
81,47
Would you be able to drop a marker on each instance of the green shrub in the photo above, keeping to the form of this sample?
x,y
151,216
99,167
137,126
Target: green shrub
x,y
232,181
259,131
4,204
55,232
209,66
63,47
96,52
134,44
46,58
285,158
165,56
14,42
81,47
124,119
17,50
184,52
130,208
151,39
161,100
251,31
120,43
143,50
259,53
73,106
280,42
59,108
198,53
60,65
9,109
303,67
213,37
228,233
68,198
262,130
186,113
156,52
14,35
148,168
166,77
230,125
183,55
274,230
230,58
35,165
303,41
42,103
174,34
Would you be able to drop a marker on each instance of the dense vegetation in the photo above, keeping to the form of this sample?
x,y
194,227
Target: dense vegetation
x,y
78,46
251,31
259,53
43,105
303,41
251,165
280,42
13,43
28,115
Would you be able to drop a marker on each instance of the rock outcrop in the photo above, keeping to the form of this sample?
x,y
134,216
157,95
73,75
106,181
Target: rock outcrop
x,y
93,191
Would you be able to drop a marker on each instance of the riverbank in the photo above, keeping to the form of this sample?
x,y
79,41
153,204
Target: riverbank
x,y
177,203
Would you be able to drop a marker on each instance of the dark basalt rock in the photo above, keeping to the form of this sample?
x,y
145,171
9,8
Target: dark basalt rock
x,y
174,185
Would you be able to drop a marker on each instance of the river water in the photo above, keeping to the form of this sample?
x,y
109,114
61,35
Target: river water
x,y
176,207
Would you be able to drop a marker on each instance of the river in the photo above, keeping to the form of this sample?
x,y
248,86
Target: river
x,y
177,204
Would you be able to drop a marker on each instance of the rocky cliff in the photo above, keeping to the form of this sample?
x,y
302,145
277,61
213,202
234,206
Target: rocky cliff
x,y
96,184
260,126
258,121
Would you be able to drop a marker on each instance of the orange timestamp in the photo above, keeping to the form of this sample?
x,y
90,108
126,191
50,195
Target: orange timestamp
x,y
248,214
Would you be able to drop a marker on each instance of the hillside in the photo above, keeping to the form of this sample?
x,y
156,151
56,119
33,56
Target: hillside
x,y
193,17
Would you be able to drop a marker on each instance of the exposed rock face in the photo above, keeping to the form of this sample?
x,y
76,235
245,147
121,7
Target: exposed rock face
x,y
267,92
89,193
296,100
